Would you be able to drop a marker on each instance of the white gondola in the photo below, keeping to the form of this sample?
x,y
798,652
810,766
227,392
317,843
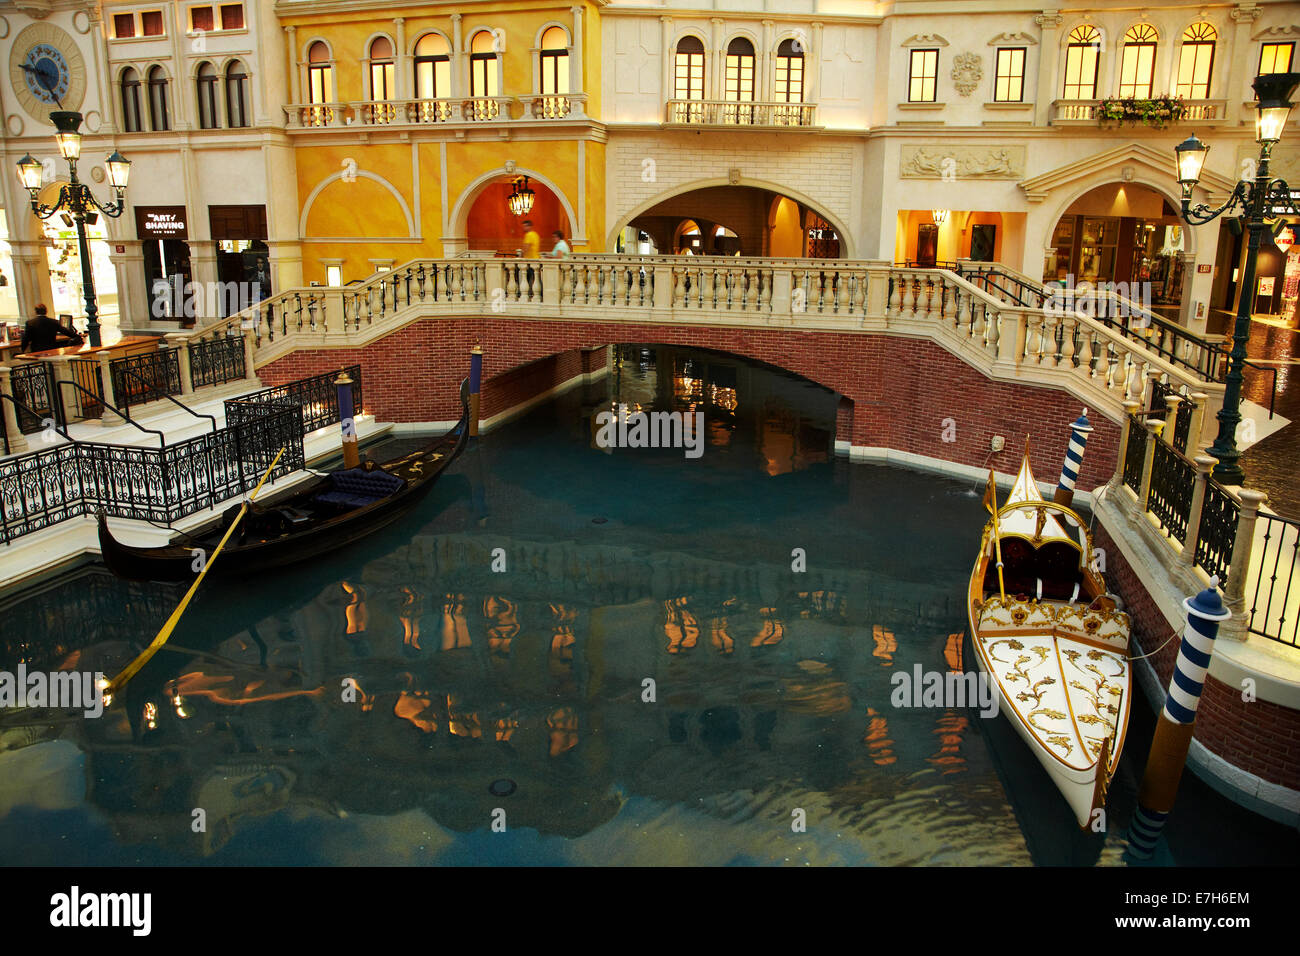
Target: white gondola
x,y
1051,642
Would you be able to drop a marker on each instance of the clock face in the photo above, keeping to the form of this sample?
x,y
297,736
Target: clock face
x,y
46,70
47,73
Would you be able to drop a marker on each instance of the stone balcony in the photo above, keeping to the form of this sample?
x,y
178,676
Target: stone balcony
x,y
446,111
1090,113
730,114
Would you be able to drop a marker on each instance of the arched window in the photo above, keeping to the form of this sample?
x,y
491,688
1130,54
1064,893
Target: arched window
x,y
555,62
688,79
738,82
1137,68
131,101
1196,62
383,78
320,74
1082,54
207,88
158,116
432,67
483,65
236,95
789,73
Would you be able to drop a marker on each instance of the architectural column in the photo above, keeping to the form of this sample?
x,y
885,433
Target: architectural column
x,y
135,301
576,82
667,84
109,102
1049,51
31,277
203,271
812,71
1112,50
715,69
1197,286
764,63
1238,67
17,440
295,65
459,60
1234,595
286,264
400,67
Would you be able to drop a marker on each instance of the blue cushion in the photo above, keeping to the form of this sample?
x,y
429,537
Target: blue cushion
x,y
369,484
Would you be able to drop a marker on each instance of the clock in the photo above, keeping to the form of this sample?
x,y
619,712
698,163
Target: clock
x,y
46,70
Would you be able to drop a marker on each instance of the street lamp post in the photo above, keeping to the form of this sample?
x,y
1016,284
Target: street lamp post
x,y
77,201
1259,200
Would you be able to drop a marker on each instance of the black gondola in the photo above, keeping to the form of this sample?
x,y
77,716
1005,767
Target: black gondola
x,y
343,507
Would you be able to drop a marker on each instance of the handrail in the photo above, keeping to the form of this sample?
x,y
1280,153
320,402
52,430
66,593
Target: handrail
x,y
169,398
162,439
35,414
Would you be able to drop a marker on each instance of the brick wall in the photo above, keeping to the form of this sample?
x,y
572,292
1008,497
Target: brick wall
x,y
908,394
1260,737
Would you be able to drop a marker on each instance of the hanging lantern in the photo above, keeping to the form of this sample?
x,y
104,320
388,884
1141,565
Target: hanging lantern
x,y
1285,239
521,198
940,216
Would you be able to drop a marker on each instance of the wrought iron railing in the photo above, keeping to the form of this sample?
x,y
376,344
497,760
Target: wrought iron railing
x,y
217,360
33,387
1218,532
42,488
1135,453
1173,479
317,396
145,377
1275,603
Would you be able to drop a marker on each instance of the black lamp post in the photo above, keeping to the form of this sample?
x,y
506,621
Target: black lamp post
x,y
1259,201
77,200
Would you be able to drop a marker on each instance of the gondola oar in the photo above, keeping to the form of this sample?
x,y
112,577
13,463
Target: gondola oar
x,y
118,682
991,502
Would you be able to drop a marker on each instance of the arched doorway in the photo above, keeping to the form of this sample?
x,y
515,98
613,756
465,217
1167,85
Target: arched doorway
x,y
739,220
1120,232
493,226
64,261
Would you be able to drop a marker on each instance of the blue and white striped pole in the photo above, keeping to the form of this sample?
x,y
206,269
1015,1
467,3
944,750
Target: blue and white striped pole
x,y
1176,722
1079,433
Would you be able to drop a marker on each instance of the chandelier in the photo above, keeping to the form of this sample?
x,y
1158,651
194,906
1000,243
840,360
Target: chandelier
x,y
940,216
521,198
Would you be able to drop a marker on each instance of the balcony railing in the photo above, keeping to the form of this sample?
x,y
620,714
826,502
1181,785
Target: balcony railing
x,y
729,113
1090,113
422,112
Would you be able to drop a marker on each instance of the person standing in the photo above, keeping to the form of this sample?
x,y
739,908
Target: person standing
x,y
42,333
532,241
561,249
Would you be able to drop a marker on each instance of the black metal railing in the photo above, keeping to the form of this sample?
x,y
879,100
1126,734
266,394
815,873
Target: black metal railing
x,y
1173,479
1276,556
86,400
317,396
33,388
217,360
1218,532
145,377
42,488
1135,454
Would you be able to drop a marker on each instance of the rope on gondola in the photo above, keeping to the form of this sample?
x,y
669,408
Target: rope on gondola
x,y
1158,649
118,682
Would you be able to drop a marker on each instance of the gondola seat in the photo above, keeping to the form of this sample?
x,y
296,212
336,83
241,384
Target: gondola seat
x,y
358,487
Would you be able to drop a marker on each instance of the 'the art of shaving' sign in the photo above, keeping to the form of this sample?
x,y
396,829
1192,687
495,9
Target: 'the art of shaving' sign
x,y
161,222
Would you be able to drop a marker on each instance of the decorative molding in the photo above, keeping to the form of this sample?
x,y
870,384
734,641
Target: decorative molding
x,y
961,162
1013,39
1156,161
1285,32
967,71
81,21
925,40
36,9
1248,12
1049,21
733,176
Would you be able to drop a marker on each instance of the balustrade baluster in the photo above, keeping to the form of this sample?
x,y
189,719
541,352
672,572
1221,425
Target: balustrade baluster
x,y
1047,357
580,289
511,283
678,297
454,288
419,280
907,312
894,306
751,289
947,315
978,324
1086,334
993,337
1069,326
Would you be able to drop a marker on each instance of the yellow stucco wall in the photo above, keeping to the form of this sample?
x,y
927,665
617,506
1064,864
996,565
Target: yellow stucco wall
x,y
362,218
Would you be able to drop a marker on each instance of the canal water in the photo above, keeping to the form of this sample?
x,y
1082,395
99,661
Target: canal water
x,y
573,654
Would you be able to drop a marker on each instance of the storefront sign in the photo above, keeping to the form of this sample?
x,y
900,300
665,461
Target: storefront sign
x,y
1285,239
161,222
1204,268
1266,285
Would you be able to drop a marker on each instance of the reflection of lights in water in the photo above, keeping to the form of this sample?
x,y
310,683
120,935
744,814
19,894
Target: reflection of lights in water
x,y
877,739
455,629
563,724
179,704
949,731
412,608
885,645
724,398
952,652
355,615
151,715
680,625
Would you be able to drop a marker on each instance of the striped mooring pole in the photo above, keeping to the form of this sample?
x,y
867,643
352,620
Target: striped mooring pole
x,y
1176,722
475,382
1079,432
347,421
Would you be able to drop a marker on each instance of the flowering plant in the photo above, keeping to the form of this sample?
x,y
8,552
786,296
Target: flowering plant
x,y
1157,112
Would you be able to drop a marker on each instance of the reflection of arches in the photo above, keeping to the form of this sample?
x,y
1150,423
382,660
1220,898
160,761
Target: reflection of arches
x,y
846,240
460,209
361,174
